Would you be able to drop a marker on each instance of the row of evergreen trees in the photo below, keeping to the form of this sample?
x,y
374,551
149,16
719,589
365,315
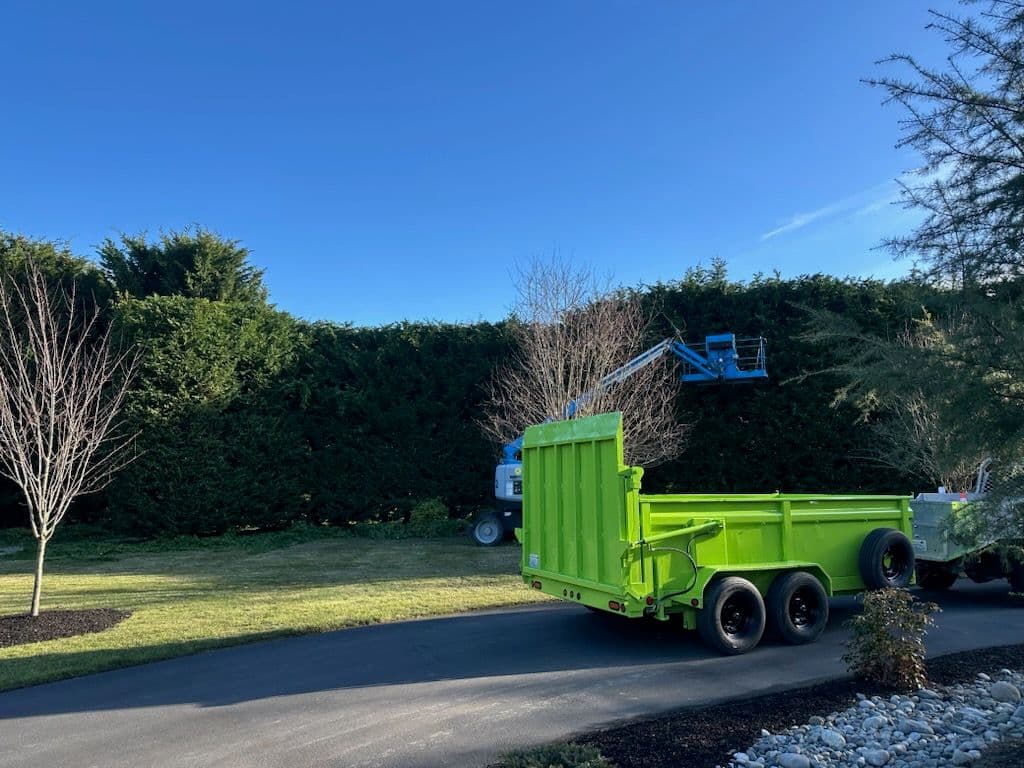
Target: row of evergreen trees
x,y
249,417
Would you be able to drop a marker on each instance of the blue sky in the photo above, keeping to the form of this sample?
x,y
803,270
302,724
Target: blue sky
x,y
393,160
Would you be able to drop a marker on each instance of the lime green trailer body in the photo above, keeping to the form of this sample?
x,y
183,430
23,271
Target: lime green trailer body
x,y
590,536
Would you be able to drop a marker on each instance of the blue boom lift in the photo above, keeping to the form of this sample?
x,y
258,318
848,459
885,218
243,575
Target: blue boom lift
x,y
724,359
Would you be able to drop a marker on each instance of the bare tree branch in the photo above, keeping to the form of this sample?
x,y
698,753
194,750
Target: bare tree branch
x,y
571,330
62,388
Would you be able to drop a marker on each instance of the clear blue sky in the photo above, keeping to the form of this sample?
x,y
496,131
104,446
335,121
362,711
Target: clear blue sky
x,y
390,160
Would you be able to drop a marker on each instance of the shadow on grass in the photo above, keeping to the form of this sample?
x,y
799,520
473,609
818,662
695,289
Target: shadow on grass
x,y
309,564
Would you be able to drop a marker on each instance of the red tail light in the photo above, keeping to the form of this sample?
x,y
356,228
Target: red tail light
x,y
536,585
613,606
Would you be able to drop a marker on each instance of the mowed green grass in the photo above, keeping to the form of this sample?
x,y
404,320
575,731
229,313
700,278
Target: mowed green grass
x,y
190,597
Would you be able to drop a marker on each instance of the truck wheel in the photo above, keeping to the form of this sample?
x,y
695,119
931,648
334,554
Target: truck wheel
x,y
487,530
935,578
733,617
797,607
886,559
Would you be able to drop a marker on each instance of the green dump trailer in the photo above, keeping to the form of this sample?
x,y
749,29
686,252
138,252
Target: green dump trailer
x,y
727,565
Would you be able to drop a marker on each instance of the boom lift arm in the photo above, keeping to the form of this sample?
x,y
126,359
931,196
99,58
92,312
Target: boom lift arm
x,y
723,359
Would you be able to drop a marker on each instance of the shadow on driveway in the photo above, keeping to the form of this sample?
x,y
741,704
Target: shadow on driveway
x,y
544,639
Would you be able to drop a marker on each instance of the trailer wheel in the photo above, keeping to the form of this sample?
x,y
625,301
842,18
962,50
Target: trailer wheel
x,y
886,559
733,617
797,607
487,530
935,578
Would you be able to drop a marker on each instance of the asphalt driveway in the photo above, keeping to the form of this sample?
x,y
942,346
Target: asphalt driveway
x,y
454,691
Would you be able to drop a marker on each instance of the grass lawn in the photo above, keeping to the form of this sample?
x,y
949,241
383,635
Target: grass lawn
x,y
190,596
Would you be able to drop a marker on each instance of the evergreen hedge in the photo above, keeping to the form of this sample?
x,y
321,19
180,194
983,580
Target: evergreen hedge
x,y
251,418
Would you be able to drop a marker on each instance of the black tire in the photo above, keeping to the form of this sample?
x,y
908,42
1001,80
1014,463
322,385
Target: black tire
x,y
797,607
886,559
733,617
935,578
488,530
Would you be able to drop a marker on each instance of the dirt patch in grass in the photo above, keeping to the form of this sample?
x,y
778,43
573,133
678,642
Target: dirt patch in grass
x,y
49,625
702,738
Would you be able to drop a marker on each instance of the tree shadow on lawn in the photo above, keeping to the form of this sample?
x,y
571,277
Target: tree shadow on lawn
x,y
481,647
305,565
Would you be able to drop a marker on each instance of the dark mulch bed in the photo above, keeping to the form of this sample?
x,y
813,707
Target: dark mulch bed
x,y
49,625
702,738
1005,754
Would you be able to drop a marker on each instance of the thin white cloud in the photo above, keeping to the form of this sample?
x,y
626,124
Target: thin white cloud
x,y
863,202
800,220
877,205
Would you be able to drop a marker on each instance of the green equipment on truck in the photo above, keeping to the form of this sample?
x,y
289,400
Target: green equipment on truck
x,y
729,565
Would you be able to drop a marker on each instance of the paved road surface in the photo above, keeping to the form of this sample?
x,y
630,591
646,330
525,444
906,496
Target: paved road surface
x,y
455,691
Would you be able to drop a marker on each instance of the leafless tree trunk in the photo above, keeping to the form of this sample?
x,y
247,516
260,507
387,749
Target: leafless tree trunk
x,y
570,331
62,386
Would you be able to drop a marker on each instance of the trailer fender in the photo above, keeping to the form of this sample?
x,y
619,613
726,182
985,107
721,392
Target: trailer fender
x,y
761,576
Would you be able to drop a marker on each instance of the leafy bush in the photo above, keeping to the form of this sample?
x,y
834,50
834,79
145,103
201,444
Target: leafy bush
x,y
429,519
887,646
557,756
429,511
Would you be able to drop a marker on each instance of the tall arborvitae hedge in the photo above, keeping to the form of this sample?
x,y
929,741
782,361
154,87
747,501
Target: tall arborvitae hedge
x,y
249,417
784,434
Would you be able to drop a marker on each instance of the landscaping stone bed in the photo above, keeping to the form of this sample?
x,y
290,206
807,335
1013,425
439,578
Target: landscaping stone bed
x,y
927,729
49,625
962,710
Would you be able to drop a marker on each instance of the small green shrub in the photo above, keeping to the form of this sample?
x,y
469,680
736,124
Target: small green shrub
x,y
430,519
416,528
429,511
557,756
887,646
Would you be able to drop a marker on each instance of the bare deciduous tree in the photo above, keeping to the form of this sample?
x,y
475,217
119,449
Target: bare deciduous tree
x,y
570,331
913,436
62,387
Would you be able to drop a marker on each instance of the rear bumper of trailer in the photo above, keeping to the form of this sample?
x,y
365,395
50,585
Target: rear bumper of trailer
x,y
590,594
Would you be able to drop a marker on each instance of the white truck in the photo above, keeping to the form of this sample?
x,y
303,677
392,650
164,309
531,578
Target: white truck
x,y
941,560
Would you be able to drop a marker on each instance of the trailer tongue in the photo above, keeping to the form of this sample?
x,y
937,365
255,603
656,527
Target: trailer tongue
x,y
727,564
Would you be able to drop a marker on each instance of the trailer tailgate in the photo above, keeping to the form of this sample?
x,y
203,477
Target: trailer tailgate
x,y
576,493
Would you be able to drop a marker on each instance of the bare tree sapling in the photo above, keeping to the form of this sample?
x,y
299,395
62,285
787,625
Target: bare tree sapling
x,y
62,387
